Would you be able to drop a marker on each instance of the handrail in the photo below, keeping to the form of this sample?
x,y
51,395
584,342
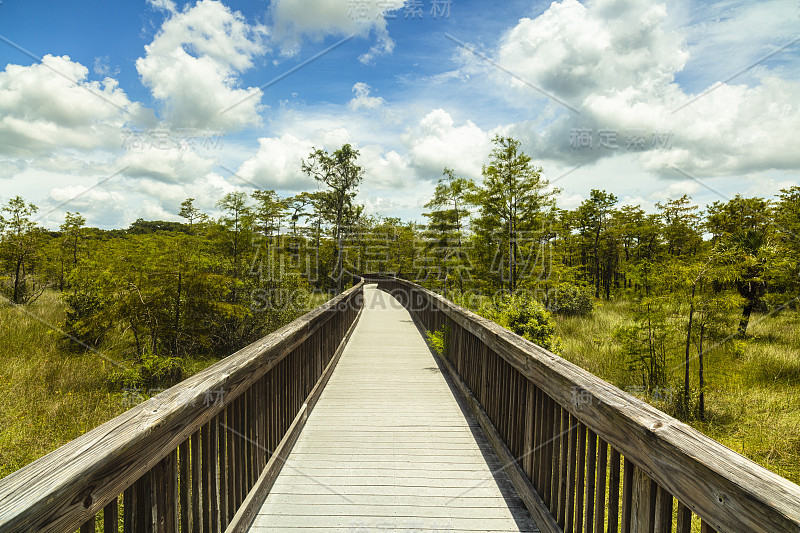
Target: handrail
x,y
567,432
190,454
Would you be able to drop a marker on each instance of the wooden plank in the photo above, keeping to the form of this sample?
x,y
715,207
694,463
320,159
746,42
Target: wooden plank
x,y
600,490
562,478
213,461
730,491
571,476
642,511
230,470
185,487
579,486
591,472
49,493
627,495
89,526
246,512
111,517
142,511
197,520
663,522
684,519
613,492
165,519
222,447
526,491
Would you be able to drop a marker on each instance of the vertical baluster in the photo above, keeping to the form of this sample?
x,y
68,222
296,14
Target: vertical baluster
x,y
197,523
223,470
88,526
164,493
591,471
555,461
241,461
663,511
142,509
530,405
562,478
185,486
538,458
600,492
684,519
205,437
643,505
613,492
247,440
128,509
579,487
213,461
231,472
627,495
111,516
569,523
262,426
547,456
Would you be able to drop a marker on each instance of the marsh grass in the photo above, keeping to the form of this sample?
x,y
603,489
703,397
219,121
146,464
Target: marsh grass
x,y
752,392
52,394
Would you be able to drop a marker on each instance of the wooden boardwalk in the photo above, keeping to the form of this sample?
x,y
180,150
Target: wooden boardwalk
x,y
388,446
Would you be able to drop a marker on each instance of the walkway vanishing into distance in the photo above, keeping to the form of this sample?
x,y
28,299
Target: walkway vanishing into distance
x,y
387,446
343,420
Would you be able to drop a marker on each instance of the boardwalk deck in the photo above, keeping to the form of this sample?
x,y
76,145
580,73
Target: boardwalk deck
x,y
389,447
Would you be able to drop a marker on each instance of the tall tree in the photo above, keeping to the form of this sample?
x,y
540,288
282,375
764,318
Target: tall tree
x,y
512,200
741,227
19,239
342,175
446,225
189,211
593,213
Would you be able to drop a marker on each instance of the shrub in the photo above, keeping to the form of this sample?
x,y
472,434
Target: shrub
x,y
439,340
529,319
153,371
570,300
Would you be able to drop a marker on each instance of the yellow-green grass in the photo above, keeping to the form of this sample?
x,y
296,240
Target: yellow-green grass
x,y
752,393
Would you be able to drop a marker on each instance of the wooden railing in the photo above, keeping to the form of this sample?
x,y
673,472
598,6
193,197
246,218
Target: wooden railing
x,y
198,456
584,455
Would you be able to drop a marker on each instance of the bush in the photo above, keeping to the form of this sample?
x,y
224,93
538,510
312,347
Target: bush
x,y
439,340
153,371
570,300
529,319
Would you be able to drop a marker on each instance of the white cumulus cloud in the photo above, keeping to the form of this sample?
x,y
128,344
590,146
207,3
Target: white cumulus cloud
x,y
295,19
53,105
192,67
363,100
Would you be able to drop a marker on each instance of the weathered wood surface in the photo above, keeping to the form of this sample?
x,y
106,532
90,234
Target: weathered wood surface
x,y
252,503
388,447
729,491
64,489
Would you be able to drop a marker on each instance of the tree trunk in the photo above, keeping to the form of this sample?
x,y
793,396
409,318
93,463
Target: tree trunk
x,y
748,309
177,315
17,297
701,407
686,355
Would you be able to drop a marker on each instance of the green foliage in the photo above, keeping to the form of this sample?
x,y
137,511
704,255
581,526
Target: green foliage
x,y
646,340
568,299
529,319
20,245
439,340
152,372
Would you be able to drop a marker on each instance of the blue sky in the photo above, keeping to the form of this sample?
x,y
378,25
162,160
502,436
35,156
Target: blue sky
x,y
122,110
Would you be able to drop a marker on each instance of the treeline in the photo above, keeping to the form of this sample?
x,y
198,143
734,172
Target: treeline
x,y
160,291
497,243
